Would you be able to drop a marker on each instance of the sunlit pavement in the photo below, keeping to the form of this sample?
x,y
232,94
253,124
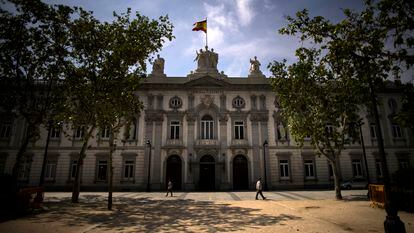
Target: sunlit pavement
x,y
218,196
282,211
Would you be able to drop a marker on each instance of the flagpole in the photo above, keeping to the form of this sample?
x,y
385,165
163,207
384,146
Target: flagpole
x,y
206,33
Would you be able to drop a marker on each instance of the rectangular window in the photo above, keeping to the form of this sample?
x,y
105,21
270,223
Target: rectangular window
x,y
378,166
174,130
24,170
5,130
73,168
79,132
105,133
403,163
206,129
309,169
128,170
50,172
329,129
372,131
396,131
239,130
284,169
55,132
356,168
102,170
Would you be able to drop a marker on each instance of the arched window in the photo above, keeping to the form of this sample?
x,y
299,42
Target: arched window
x,y
207,125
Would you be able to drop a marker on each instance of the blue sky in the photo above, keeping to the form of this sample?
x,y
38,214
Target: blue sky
x,y
237,29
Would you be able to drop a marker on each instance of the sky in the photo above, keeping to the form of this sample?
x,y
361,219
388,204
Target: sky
x,y
238,30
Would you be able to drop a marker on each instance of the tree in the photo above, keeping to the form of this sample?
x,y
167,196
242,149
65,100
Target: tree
x,y
317,102
372,44
33,52
108,62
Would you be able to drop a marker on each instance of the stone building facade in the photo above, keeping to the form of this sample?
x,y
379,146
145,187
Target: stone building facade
x,y
205,131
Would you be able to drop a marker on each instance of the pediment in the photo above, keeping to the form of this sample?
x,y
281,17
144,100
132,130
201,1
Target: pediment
x,y
206,81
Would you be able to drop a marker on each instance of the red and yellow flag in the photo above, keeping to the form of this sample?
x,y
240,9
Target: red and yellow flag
x,y
202,25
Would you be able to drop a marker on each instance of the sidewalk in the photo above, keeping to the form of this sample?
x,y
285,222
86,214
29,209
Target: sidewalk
x,y
153,212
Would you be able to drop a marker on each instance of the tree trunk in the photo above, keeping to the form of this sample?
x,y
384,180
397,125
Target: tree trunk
x,y
76,182
111,151
337,178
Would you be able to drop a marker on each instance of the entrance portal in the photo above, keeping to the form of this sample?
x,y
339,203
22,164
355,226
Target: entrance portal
x,y
174,171
240,173
207,173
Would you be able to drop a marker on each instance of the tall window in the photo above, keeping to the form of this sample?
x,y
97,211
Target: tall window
x,y
102,170
396,131
24,169
128,170
55,132
284,169
239,130
403,163
79,132
5,129
372,130
174,130
73,168
207,127
356,168
105,133
329,129
378,166
50,172
309,169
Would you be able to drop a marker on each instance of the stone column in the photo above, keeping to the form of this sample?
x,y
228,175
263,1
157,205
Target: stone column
x,y
225,182
190,150
257,166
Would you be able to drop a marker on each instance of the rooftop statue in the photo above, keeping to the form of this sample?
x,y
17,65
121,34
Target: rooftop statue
x,y
254,66
207,61
158,66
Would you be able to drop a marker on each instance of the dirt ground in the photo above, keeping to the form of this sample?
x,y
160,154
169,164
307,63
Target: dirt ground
x,y
178,215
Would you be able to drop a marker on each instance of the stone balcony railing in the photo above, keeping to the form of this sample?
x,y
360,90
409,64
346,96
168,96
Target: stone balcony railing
x,y
207,143
174,143
239,143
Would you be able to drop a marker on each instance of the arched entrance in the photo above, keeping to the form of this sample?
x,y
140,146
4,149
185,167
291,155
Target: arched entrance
x,y
174,171
207,173
240,173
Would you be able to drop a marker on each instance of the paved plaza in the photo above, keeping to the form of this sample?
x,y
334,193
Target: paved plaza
x,y
283,211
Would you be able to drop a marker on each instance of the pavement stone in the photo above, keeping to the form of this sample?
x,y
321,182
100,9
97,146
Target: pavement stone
x,y
283,211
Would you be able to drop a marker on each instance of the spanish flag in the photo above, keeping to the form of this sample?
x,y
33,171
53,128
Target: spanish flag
x,y
202,25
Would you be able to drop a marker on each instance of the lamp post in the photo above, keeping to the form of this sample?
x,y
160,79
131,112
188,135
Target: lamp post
x,y
264,164
149,164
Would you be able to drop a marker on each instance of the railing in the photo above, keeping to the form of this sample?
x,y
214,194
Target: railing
x,y
239,143
377,195
174,142
207,142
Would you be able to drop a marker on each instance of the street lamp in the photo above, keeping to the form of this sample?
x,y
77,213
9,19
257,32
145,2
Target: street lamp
x,y
149,164
264,164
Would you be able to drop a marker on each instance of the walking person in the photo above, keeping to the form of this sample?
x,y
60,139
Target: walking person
x,y
259,187
169,188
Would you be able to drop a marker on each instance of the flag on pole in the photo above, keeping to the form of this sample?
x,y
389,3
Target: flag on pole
x,y
202,25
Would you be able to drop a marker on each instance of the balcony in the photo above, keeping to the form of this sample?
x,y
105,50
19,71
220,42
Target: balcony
x,y
207,143
239,143
173,143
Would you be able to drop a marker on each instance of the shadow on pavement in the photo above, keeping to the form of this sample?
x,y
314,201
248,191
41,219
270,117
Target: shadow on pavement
x,y
144,214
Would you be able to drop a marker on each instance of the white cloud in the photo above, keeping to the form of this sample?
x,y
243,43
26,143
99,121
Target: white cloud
x,y
245,11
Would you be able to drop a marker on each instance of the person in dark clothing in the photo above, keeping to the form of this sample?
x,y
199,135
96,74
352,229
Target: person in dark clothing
x,y
259,187
169,188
